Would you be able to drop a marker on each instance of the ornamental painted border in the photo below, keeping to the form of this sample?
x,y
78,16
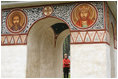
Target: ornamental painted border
x,y
80,37
14,39
99,36
35,14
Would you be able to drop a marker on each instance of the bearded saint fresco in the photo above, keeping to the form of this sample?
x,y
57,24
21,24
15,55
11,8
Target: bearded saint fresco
x,y
84,15
84,20
16,21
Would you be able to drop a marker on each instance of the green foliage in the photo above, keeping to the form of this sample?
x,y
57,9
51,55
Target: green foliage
x,y
66,45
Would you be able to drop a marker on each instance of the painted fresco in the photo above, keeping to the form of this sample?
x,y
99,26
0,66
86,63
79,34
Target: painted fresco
x,y
84,15
16,21
61,11
92,30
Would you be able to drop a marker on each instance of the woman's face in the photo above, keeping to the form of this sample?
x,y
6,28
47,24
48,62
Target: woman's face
x,y
65,56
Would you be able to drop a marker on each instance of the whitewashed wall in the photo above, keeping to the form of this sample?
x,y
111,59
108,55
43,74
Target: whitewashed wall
x,y
13,61
115,58
90,60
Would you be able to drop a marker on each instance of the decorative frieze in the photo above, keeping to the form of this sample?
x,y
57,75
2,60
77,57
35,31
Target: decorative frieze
x,y
19,39
61,11
90,37
90,31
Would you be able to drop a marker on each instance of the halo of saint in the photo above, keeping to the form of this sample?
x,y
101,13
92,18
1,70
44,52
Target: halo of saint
x,y
84,15
16,21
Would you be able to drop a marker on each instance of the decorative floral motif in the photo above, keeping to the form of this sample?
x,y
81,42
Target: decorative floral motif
x,y
47,10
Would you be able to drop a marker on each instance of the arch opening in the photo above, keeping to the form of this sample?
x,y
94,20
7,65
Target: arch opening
x,y
45,48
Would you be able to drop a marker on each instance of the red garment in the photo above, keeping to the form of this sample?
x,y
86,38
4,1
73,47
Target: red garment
x,y
79,22
66,62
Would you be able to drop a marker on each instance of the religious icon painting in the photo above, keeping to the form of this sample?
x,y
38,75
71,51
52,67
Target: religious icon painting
x,y
84,15
16,21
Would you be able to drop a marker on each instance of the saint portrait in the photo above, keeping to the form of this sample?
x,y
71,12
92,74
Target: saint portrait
x,y
16,21
84,15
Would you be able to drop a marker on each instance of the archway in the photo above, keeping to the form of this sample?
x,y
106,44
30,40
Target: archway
x,y
112,53
45,49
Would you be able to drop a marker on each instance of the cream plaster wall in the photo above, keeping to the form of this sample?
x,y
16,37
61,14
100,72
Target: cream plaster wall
x,y
113,52
90,60
13,61
115,58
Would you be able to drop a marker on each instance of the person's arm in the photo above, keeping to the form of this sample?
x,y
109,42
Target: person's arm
x,y
64,62
69,61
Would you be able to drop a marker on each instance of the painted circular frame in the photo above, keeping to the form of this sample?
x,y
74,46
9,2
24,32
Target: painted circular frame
x,y
89,19
45,8
16,16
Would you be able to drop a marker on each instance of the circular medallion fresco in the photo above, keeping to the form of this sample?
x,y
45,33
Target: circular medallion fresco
x,y
16,21
84,15
47,10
